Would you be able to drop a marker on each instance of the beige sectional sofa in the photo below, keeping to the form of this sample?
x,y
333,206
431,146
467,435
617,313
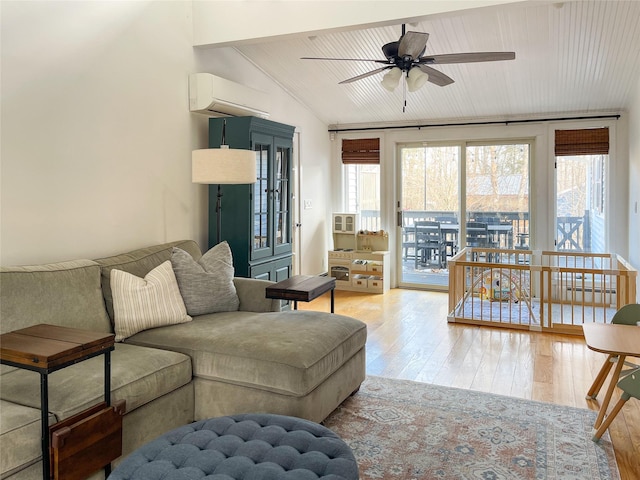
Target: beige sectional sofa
x,y
259,358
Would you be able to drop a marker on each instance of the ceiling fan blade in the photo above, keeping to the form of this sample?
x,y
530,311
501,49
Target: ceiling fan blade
x,y
390,50
436,77
412,44
365,75
467,57
346,59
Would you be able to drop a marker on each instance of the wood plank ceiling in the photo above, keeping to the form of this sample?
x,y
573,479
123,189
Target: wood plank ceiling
x,y
572,58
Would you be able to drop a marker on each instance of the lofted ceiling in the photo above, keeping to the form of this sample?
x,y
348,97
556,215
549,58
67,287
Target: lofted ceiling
x,y
573,58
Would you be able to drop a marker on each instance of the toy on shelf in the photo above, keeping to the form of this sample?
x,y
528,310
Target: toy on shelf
x,y
372,240
378,233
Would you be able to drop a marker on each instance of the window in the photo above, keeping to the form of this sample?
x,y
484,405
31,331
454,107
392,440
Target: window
x,y
581,164
362,194
361,160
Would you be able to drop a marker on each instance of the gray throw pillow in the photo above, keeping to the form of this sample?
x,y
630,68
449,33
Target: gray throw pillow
x,y
207,285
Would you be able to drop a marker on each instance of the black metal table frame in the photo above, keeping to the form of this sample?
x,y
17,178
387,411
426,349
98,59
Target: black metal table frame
x,y
295,302
44,399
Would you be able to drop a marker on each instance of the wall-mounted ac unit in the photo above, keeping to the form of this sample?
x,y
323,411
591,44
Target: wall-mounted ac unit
x,y
219,97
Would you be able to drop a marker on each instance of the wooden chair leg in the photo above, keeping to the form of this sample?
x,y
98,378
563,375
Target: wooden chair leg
x,y
610,417
599,380
612,386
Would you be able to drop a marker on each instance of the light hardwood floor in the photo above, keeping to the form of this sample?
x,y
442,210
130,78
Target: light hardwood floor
x,y
409,338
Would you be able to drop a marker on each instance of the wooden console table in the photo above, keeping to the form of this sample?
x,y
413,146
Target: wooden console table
x,y
302,288
45,349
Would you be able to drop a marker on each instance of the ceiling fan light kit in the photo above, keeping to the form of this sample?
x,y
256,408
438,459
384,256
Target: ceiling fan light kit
x,y
391,79
416,78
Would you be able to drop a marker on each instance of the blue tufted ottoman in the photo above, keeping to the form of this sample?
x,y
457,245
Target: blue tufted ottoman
x,y
247,446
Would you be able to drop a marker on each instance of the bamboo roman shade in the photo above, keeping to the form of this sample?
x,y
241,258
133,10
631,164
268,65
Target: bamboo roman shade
x,y
361,150
588,141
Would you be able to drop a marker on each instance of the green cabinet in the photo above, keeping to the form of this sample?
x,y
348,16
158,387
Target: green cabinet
x,y
256,219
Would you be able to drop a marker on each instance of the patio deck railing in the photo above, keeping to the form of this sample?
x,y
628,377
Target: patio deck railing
x,y
573,232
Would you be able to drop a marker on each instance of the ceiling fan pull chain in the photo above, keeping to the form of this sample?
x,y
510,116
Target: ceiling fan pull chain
x,y
404,96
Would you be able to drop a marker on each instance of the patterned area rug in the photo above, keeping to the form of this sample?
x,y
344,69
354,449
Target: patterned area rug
x,y
400,429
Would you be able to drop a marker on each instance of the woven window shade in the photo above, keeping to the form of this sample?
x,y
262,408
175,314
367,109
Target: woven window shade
x,y
588,141
362,150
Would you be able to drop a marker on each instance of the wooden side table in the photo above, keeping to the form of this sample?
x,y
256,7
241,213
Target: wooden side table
x,y
45,349
302,288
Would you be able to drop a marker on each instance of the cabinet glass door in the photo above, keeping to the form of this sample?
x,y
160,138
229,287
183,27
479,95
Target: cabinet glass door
x,y
282,197
348,224
261,229
337,223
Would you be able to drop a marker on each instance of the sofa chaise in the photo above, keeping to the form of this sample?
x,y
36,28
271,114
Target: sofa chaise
x,y
256,358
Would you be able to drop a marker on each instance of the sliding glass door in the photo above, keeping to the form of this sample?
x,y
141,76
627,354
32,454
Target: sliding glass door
x,y
497,192
443,188
429,193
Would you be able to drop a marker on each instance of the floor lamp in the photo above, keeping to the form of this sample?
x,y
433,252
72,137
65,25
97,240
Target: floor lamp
x,y
220,166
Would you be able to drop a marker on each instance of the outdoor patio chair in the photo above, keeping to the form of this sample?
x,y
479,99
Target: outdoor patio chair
x,y
430,249
450,236
408,242
477,234
493,236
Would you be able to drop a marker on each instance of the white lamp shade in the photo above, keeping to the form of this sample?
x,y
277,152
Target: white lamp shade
x,y
391,79
223,165
416,79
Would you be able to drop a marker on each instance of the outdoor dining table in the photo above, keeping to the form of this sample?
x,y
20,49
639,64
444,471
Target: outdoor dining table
x,y
503,231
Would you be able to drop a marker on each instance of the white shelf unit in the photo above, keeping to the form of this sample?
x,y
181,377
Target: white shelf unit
x,y
369,272
360,262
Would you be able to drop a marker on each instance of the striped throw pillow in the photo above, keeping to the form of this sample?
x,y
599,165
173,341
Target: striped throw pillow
x,y
142,303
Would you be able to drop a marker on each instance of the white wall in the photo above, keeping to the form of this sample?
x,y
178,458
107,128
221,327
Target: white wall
x,y
96,132
634,183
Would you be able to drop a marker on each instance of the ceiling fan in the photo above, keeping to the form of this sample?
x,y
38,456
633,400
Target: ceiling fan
x,y
406,57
